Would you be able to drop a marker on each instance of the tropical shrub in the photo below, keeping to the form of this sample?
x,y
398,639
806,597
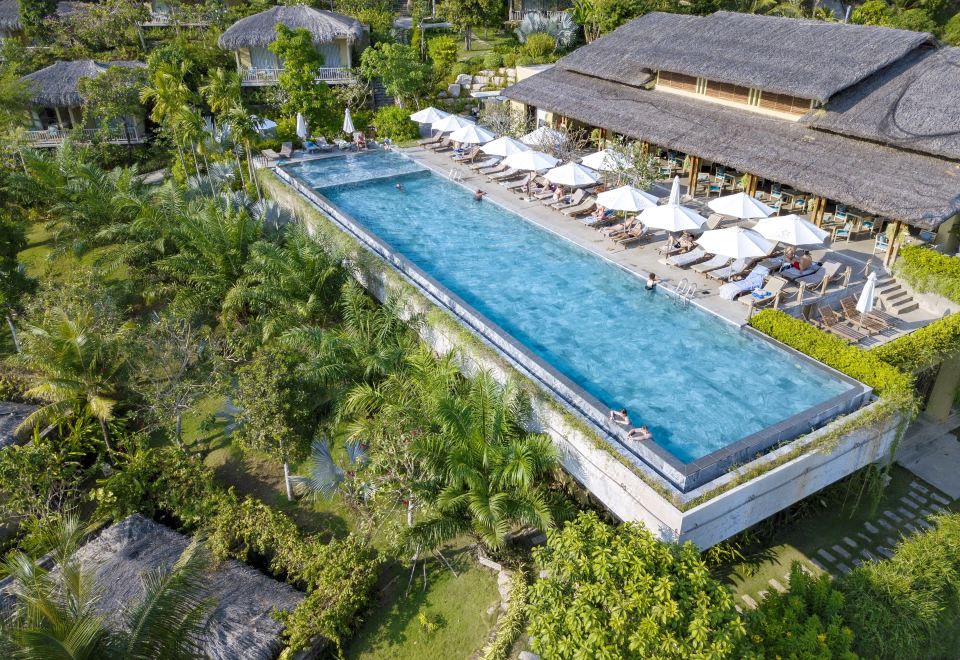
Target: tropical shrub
x,y
394,122
923,348
539,44
561,27
617,592
492,60
404,76
443,53
951,31
928,271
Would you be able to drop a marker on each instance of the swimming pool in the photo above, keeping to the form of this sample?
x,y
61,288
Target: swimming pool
x,y
698,383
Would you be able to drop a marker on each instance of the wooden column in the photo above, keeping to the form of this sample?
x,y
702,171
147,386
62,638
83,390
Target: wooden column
x,y
893,245
752,182
818,206
694,172
56,111
645,149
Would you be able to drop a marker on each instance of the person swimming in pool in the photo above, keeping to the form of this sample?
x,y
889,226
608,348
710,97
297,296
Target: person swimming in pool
x,y
399,186
651,282
642,433
620,416
478,196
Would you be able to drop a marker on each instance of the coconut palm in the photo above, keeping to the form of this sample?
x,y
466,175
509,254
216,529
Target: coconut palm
x,y
221,90
242,130
169,94
55,614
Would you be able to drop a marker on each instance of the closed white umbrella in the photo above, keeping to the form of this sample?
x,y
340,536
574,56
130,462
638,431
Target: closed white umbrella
x,y
671,216
626,198
605,161
302,132
472,134
450,123
791,230
535,161
865,301
348,122
572,174
429,115
504,146
735,242
740,205
544,137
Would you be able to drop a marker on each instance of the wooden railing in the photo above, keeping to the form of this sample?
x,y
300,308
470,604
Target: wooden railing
x,y
53,137
518,15
328,74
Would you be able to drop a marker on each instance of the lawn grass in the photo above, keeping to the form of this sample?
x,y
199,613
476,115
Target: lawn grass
x,y
457,606
484,41
40,263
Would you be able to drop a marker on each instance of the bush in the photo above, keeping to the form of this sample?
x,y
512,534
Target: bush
x,y
492,61
951,31
923,348
443,54
394,122
539,44
510,60
928,271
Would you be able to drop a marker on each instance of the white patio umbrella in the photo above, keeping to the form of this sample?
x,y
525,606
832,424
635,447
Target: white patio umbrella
x,y
740,205
572,174
504,146
671,216
348,122
543,137
865,301
450,123
530,160
735,242
791,230
302,132
626,198
263,125
429,115
472,134
604,161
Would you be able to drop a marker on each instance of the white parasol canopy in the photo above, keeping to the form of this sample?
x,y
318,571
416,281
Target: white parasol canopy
x,y
865,301
504,146
671,216
572,174
451,123
429,115
260,125
472,134
626,198
605,161
740,205
543,137
302,132
530,160
791,230
348,122
735,242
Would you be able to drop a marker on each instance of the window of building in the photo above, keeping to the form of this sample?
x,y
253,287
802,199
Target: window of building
x,y
728,92
678,81
784,103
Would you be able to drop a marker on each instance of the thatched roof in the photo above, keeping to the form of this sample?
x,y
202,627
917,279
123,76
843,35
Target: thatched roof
x,y
240,626
10,13
259,30
59,83
11,416
911,104
922,190
804,58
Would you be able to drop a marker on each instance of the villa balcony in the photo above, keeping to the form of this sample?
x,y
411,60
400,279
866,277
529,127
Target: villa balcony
x,y
332,75
518,15
54,137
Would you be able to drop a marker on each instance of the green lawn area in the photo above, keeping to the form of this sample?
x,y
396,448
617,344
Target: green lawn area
x,y
484,40
454,607
37,257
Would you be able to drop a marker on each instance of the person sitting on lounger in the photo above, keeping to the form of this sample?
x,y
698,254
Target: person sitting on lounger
x,y
620,416
642,433
558,195
600,213
478,196
686,241
805,261
651,282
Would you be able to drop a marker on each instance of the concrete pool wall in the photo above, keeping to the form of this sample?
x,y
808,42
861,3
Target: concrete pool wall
x,y
631,489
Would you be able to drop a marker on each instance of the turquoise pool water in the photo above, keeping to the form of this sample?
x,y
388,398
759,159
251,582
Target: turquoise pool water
x,y
697,382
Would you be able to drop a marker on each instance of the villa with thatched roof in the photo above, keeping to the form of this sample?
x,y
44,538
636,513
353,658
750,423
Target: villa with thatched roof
x,y
849,116
10,25
337,37
57,105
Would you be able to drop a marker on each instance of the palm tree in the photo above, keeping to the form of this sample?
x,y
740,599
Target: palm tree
x,y
56,615
169,94
242,131
80,367
221,90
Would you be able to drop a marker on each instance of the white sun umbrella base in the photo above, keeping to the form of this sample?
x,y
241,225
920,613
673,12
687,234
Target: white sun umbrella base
x,y
735,242
429,115
534,161
573,175
740,205
626,198
504,146
791,230
472,134
451,123
604,161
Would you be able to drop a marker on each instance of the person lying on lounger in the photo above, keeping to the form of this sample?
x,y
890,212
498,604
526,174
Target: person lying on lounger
x,y
620,416
600,213
642,433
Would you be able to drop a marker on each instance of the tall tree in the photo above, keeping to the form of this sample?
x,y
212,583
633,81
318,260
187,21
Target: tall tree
x,y
169,94
466,15
33,13
404,76
14,281
298,80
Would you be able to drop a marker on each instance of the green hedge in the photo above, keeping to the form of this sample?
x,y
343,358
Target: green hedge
x,y
928,271
923,348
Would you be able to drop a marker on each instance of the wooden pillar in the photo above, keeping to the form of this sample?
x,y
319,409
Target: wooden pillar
x,y
236,56
73,120
752,182
694,173
56,111
645,149
817,206
893,245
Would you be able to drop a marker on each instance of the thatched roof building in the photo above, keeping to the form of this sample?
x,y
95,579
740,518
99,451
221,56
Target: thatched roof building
x,y
10,13
259,30
240,626
884,142
59,83
12,416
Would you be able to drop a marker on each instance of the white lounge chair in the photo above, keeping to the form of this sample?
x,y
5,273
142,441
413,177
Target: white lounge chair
x,y
718,261
754,280
770,293
738,267
688,258
483,164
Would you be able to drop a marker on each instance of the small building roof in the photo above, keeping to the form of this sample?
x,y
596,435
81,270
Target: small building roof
x,y
803,58
916,188
12,416
910,104
10,13
59,83
259,30
241,625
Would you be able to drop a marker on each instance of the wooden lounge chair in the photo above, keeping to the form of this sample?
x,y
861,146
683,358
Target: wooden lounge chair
x,y
715,262
270,154
432,140
768,295
738,267
872,323
635,235
286,150
575,199
487,171
585,207
442,145
467,157
828,271
830,321
483,164
520,183
509,173
876,313
620,227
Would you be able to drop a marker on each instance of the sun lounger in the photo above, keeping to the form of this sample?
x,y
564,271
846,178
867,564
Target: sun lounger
x,y
620,227
441,145
487,171
483,164
509,173
583,208
827,272
869,320
270,154
342,145
769,294
468,156
311,147
433,140
286,150
754,280
575,199
851,303
830,321
715,262
518,184
688,258
790,274
635,235
738,267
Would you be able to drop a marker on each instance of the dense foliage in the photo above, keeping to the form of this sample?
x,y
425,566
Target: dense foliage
x,y
394,122
923,348
404,76
928,271
298,80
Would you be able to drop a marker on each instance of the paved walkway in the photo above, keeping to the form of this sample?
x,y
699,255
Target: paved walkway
x,y
931,451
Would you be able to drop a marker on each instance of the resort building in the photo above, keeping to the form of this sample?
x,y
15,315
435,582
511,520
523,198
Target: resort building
x,y
854,126
518,9
337,37
57,105
10,25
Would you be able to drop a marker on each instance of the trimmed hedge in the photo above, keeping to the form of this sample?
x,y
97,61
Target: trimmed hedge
x,y
923,348
928,271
